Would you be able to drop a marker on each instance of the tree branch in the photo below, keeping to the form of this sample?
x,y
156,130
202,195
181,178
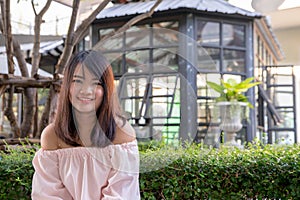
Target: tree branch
x,y
33,7
69,45
86,23
36,56
2,89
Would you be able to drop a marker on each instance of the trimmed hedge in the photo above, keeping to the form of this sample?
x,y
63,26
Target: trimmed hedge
x,y
194,172
272,172
16,172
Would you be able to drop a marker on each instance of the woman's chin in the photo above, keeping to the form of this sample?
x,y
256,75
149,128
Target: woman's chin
x,y
85,108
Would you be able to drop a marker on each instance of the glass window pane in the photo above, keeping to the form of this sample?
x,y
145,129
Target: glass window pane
x,y
166,57
288,116
237,78
115,42
208,33
165,33
170,133
115,60
131,95
163,91
234,35
288,98
202,89
138,36
282,78
104,32
234,61
136,60
208,59
84,44
204,112
117,67
284,137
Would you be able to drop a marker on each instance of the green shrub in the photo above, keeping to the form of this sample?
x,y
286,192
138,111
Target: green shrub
x,y
272,172
16,172
194,172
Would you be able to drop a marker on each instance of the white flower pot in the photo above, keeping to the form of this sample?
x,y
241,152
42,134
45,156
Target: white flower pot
x,y
231,114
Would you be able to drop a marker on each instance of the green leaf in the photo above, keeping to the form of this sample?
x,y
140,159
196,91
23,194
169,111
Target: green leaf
x,y
231,90
216,87
230,82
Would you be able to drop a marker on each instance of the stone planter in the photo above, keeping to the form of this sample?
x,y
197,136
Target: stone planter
x,y
231,114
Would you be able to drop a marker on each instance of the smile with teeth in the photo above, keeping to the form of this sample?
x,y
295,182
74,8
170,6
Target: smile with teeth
x,y
85,99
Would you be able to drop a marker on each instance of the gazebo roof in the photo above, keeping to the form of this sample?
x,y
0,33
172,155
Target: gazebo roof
x,y
213,6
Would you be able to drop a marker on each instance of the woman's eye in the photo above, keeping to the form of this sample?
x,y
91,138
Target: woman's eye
x,y
76,81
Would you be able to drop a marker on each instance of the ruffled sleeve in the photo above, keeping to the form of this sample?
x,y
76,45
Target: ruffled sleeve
x,y
123,179
46,182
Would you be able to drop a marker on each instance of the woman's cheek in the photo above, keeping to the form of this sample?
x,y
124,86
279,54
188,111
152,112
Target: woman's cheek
x,y
99,96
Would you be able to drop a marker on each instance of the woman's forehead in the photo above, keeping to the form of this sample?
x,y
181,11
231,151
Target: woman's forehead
x,y
83,71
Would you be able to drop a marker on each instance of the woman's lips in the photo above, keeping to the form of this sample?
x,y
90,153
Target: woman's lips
x,y
85,99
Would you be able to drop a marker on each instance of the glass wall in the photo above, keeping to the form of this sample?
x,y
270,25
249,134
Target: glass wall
x,y
221,54
224,43
146,61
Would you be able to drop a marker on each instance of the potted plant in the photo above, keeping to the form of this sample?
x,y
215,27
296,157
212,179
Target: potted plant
x,y
232,105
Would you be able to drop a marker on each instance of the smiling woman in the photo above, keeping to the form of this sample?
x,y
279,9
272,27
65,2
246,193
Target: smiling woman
x,y
90,152
88,97
86,91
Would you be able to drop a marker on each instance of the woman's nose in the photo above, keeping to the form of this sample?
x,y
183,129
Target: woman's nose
x,y
87,88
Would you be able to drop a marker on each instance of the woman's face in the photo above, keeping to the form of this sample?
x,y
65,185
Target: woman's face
x,y
86,91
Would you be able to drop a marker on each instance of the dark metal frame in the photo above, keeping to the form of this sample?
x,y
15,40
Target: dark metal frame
x,y
187,69
267,102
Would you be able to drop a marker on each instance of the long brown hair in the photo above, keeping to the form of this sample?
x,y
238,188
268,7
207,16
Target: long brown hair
x,y
65,122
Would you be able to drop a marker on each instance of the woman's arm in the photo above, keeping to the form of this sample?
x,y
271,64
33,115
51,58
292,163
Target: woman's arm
x,y
49,139
46,182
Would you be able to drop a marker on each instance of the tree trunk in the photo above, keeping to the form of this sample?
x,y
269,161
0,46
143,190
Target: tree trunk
x,y
45,118
9,113
28,107
36,56
28,92
5,27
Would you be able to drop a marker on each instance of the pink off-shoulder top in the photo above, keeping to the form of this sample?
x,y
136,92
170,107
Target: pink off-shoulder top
x,y
87,173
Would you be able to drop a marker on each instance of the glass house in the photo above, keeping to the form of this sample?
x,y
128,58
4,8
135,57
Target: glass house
x,y
162,63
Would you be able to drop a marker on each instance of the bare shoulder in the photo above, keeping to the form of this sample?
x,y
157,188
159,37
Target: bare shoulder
x,y
49,138
124,133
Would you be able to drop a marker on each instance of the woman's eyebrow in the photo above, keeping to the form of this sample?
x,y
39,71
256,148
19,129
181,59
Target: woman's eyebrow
x,y
78,76
82,77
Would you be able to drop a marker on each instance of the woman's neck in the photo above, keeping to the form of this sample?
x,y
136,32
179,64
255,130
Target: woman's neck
x,y
85,124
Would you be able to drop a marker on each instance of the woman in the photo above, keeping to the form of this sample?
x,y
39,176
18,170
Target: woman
x,y
90,151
